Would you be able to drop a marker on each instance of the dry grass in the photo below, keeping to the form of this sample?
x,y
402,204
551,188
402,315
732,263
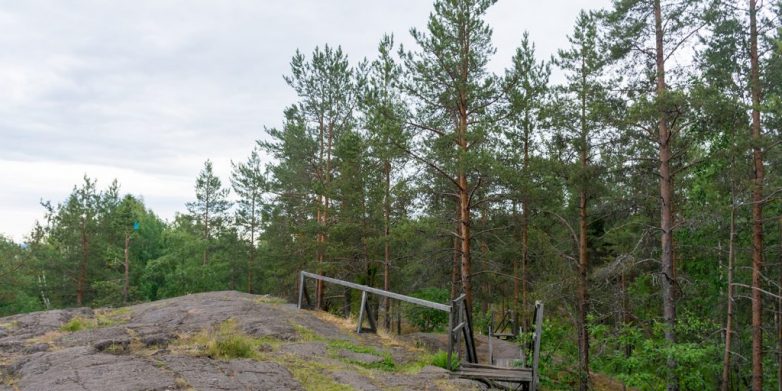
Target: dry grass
x,y
224,342
313,375
386,338
103,318
182,384
111,317
269,299
48,338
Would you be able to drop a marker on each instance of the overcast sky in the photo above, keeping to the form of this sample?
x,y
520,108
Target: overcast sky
x,y
146,91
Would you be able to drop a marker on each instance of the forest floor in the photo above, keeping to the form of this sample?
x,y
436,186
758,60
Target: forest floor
x,y
209,341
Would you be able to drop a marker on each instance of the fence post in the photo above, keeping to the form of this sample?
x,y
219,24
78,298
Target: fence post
x,y
361,311
536,348
301,288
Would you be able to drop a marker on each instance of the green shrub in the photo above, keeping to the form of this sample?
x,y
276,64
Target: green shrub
x,y
427,319
440,359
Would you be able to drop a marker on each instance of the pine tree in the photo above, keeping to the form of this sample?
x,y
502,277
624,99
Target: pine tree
x,y
455,97
388,138
325,87
528,81
126,220
249,184
210,205
666,26
581,117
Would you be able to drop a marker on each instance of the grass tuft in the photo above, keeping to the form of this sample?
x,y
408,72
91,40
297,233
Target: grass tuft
x,y
312,375
269,299
226,341
78,323
103,318
107,318
387,364
440,359
305,334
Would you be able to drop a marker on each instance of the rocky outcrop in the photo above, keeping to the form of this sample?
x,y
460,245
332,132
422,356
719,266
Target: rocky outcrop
x,y
164,345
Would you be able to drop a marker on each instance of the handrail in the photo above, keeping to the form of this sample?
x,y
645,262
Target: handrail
x,y
379,292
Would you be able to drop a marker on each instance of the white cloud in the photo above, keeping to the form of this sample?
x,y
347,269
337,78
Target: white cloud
x,y
145,91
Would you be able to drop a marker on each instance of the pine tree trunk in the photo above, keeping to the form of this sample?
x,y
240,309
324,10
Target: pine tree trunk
x,y
82,279
583,295
628,348
251,260
387,245
583,255
455,276
779,312
757,207
726,359
319,254
516,282
206,231
485,287
525,240
127,269
666,197
464,209
464,218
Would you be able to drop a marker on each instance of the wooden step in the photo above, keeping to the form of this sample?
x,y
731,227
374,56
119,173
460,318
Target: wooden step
x,y
493,373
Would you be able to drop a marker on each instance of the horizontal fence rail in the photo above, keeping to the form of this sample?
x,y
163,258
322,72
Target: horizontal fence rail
x,y
369,289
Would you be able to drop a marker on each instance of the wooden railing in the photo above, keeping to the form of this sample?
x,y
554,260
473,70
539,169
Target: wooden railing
x,y
459,320
459,324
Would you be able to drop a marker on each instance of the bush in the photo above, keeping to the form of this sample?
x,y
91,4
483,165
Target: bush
x,y
427,319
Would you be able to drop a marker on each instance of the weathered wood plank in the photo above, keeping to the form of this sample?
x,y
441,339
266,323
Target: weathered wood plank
x,y
380,292
491,374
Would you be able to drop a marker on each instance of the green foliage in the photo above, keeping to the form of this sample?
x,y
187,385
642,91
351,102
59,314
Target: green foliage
x,y
107,293
440,359
426,319
636,358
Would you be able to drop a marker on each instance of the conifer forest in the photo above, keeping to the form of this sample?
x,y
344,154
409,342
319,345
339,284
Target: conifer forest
x,y
639,197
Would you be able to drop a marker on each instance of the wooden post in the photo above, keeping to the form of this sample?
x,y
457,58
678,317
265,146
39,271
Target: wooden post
x,y
491,350
301,288
469,342
536,349
370,317
361,311
398,318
